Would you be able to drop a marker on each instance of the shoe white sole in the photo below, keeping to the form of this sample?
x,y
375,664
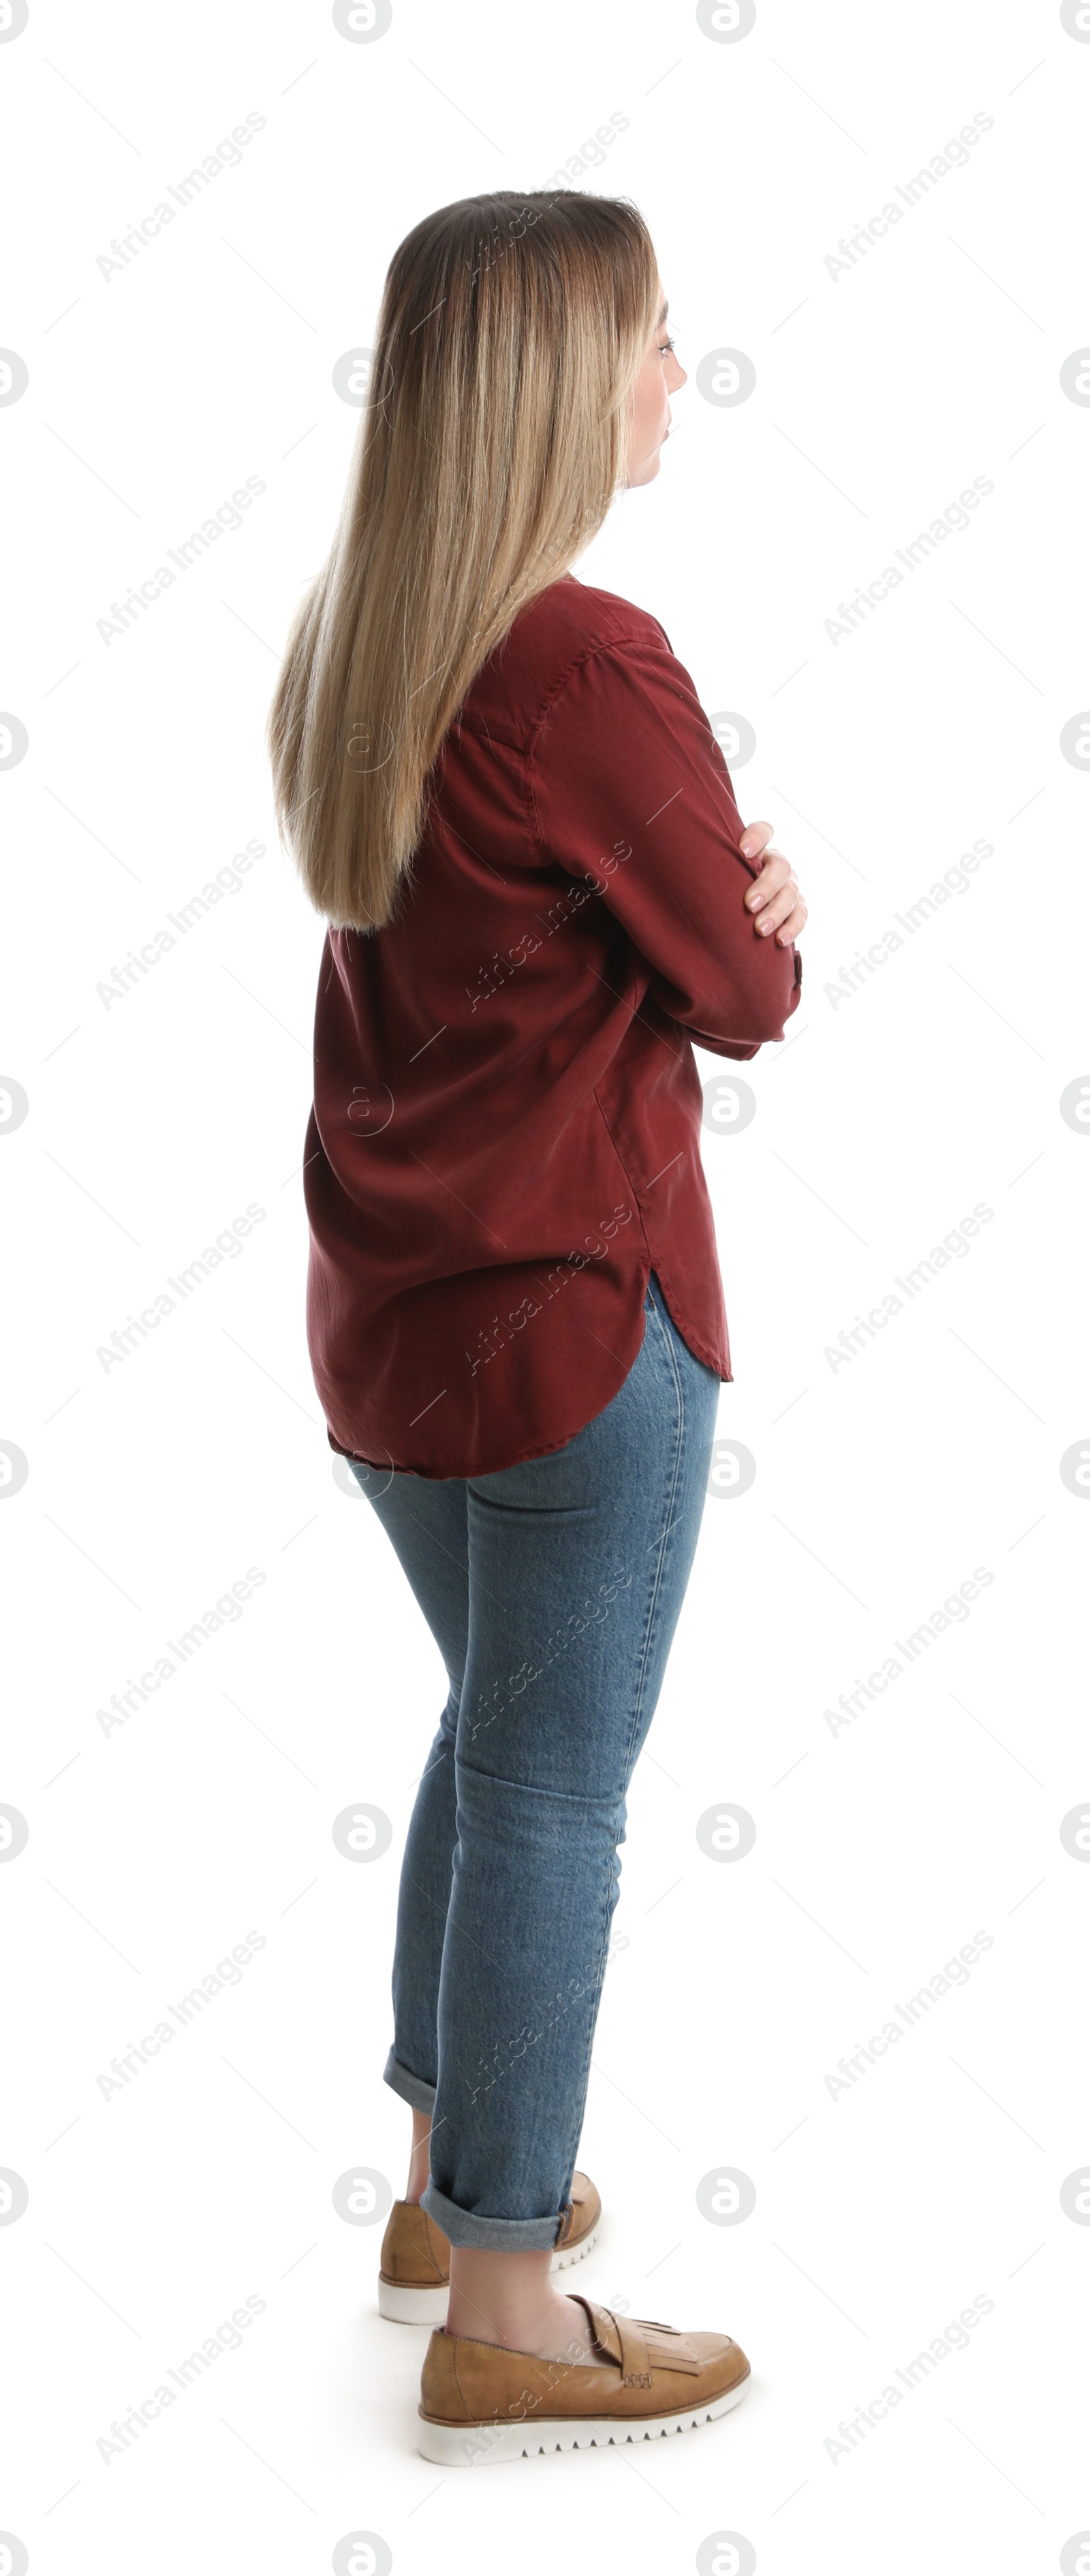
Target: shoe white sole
x,y
410,2307
472,2446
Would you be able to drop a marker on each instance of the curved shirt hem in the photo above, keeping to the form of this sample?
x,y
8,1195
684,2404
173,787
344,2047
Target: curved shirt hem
x,y
524,1455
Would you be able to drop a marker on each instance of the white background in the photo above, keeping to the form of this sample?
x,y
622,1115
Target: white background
x,y
881,1484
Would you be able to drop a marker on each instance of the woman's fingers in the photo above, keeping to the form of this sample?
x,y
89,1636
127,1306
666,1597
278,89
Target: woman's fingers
x,y
795,922
781,911
755,839
774,894
780,907
775,871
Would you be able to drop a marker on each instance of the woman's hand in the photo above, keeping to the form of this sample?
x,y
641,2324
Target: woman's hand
x,y
774,895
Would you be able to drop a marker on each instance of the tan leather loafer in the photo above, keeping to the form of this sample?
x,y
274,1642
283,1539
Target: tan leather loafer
x,y
414,2265
480,2403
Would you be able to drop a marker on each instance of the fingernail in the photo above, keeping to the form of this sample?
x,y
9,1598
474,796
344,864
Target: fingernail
x,y
763,928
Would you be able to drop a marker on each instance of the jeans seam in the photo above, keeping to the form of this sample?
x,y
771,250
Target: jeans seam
x,y
579,2105
637,1706
667,1527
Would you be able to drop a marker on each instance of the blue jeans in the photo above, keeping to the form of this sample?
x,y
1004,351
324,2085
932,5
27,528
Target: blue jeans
x,y
552,1591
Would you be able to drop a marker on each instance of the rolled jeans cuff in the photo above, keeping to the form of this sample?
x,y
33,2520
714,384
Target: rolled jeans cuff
x,y
412,2088
490,2235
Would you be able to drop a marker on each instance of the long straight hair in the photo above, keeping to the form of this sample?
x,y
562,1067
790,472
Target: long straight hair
x,y
490,448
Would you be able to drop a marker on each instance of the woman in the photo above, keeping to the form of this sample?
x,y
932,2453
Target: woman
x,y
504,797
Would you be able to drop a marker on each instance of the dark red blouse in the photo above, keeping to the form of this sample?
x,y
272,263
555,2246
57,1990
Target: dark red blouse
x,y
505,1136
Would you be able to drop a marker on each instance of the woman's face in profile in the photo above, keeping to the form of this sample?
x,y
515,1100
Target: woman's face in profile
x,y
659,377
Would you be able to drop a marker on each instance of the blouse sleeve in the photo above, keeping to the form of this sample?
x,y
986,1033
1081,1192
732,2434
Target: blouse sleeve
x,y
632,794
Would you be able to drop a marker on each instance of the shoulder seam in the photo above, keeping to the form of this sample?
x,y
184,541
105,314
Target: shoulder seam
x,y
583,653
586,653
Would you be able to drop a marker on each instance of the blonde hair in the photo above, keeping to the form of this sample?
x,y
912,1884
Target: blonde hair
x,y
490,448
